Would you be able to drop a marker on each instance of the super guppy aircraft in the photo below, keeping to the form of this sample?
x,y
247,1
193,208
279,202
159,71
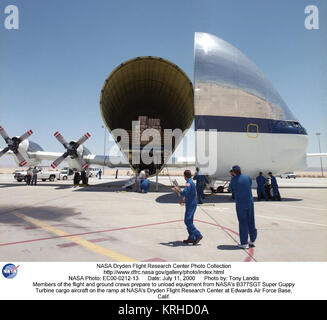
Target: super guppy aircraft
x,y
239,116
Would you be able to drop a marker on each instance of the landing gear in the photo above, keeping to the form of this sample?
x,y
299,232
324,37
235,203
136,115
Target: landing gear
x,y
85,178
220,189
77,178
81,176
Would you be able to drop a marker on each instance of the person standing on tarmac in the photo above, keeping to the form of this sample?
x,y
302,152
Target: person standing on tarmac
x,y
241,186
261,181
35,171
189,196
29,176
200,181
100,174
274,185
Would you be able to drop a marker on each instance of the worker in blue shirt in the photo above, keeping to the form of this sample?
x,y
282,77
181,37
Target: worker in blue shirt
x,y
200,181
189,196
145,185
274,185
261,181
144,182
241,186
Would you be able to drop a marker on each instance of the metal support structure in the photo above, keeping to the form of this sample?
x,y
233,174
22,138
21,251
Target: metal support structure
x,y
104,145
322,169
157,182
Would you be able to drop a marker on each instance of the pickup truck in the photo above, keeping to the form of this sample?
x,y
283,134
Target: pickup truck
x,y
48,175
66,174
20,175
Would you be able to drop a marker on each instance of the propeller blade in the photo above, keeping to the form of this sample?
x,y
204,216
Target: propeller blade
x,y
21,159
26,135
5,150
61,139
4,134
83,164
57,162
83,139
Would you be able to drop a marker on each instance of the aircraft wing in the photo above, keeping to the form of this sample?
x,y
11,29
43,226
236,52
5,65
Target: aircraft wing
x,y
43,155
108,161
316,155
111,162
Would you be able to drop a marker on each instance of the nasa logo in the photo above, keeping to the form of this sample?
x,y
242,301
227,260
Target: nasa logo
x,y
9,271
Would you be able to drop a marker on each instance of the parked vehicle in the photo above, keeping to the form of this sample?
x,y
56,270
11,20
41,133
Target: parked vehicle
x,y
66,174
48,175
288,175
44,175
20,175
93,172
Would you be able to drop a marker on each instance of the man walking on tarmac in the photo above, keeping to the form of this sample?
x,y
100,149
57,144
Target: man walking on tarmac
x,y
200,181
189,194
241,186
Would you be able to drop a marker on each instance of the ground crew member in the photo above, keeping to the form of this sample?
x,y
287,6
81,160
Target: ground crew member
x,y
261,181
274,185
99,174
29,176
145,185
241,186
34,176
142,176
200,181
189,196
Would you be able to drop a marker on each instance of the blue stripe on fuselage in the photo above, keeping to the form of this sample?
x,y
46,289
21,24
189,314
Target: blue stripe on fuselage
x,y
251,125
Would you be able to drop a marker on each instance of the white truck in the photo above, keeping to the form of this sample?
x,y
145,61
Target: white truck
x,y
44,175
48,175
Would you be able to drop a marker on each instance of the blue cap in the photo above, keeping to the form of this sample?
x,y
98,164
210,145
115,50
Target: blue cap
x,y
236,168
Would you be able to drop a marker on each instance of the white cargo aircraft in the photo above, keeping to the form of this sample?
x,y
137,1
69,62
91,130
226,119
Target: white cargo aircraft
x,y
239,116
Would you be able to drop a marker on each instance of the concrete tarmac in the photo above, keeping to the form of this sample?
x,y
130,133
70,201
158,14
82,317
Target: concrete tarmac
x,y
54,221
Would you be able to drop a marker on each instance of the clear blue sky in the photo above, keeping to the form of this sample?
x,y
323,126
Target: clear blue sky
x,y
54,66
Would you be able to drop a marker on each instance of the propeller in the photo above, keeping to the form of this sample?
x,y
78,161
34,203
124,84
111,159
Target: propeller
x,y
71,150
13,145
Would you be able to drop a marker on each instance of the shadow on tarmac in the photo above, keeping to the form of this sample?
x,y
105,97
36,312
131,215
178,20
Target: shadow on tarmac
x,y
45,213
228,247
174,244
41,184
215,198
115,186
